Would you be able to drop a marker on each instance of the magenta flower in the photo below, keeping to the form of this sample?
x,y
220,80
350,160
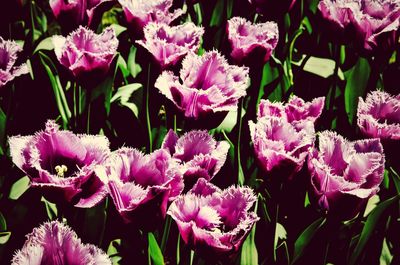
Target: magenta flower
x,y
245,37
209,85
141,12
138,182
56,243
284,133
345,174
379,115
85,52
198,153
375,22
72,13
8,57
168,44
211,219
62,164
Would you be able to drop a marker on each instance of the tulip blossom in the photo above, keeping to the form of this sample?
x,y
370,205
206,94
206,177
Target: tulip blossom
x,y
8,57
62,164
79,12
374,22
168,44
284,133
141,12
245,37
84,52
136,181
209,85
344,174
214,220
56,243
198,153
379,115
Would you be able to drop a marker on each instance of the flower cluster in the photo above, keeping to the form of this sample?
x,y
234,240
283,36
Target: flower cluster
x,y
284,133
370,23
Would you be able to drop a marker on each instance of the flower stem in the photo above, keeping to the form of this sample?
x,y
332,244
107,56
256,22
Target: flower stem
x,y
147,109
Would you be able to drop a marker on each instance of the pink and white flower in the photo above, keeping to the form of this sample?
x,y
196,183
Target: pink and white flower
x,y
246,37
208,85
168,45
214,220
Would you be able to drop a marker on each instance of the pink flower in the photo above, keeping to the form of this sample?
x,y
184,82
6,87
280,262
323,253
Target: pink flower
x,y
245,37
284,133
379,115
85,52
141,12
168,44
55,243
8,56
374,22
138,182
62,163
215,220
209,85
345,174
198,153
79,12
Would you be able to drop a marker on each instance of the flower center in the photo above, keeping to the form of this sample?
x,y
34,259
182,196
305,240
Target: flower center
x,y
60,170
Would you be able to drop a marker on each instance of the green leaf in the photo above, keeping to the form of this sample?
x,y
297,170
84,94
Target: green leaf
x,y
125,92
51,209
61,100
386,256
4,237
322,67
357,79
46,44
154,250
3,222
18,188
369,227
371,204
305,238
216,18
118,29
249,253
280,233
113,251
396,179
133,67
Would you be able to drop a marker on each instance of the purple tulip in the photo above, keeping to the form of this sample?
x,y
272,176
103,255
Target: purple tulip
x,y
209,85
214,220
139,13
294,111
345,174
246,37
374,22
168,44
136,181
72,13
62,164
84,52
8,57
56,243
284,133
379,116
198,153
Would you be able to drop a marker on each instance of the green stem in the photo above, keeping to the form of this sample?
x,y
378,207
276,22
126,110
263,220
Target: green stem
x,y
239,122
165,236
147,109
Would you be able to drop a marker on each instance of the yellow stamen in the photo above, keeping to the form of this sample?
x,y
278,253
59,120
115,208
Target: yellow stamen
x,y
61,170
